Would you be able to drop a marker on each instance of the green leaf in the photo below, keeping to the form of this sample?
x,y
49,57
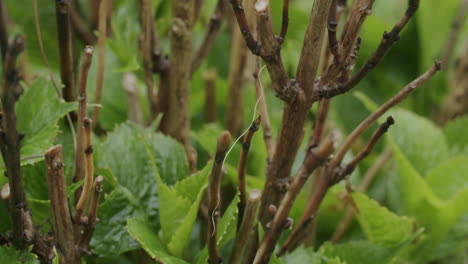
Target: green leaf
x,y
11,256
38,111
110,237
456,133
362,252
381,226
178,210
451,176
227,226
146,236
422,143
130,170
434,214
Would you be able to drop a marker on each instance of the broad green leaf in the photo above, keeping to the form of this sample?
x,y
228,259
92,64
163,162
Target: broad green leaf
x,y
127,167
12,256
437,216
178,210
227,225
362,252
451,176
381,226
422,143
110,237
149,241
38,111
456,133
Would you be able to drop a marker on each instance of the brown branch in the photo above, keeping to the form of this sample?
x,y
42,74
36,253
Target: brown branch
x,y
284,21
332,176
80,169
343,226
237,68
63,229
92,215
103,11
3,30
210,36
244,26
210,77
367,150
65,45
10,145
147,20
81,28
241,168
263,109
46,61
315,157
176,121
295,113
312,45
129,83
332,25
454,33
88,180
214,202
319,125
387,42
365,124
246,227
93,9
270,52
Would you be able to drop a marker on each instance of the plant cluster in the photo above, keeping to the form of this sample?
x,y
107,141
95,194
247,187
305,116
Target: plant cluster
x,y
130,134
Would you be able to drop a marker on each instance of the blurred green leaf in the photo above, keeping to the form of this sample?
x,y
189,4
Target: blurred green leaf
x,y
456,133
12,256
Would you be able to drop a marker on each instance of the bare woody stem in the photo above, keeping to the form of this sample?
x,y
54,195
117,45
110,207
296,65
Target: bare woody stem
x,y
270,52
3,30
147,20
129,83
244,26
214,197
332,176
343,226
454,33
246,227
241,168
284,22
367,150
176,121
263,109
387,42
210,77
319,125
103,11
92,215
10,145
311,49
365,124
88,180
295,113
81,28
210,36
80,169
93,8
63,229
67,74
237,66
314,158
